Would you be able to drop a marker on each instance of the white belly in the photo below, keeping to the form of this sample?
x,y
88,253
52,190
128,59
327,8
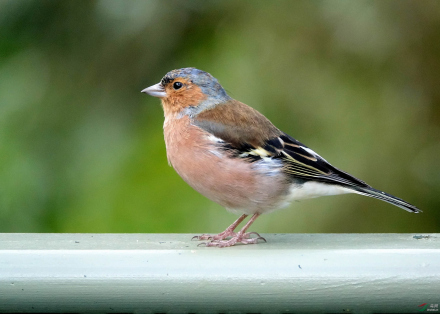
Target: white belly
x,y
315,189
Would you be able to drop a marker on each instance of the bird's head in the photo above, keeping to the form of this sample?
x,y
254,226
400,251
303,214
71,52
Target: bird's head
x,y
188,91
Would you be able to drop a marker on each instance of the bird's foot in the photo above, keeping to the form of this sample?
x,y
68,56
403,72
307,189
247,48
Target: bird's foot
x,y
244,238
215,237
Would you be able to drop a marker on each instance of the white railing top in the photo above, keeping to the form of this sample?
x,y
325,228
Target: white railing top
x,y
169,273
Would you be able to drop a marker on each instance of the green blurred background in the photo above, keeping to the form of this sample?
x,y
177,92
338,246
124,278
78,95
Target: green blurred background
x,y
81,149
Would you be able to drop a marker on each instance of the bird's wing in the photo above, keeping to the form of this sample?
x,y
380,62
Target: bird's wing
x,y
237,124
302,162
246,133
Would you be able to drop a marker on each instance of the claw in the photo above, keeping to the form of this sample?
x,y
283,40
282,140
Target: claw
x,y
261,238
203,244
203,237
247,235
216,237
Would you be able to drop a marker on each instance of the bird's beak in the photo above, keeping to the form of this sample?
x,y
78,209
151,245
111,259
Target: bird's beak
x,y
156,90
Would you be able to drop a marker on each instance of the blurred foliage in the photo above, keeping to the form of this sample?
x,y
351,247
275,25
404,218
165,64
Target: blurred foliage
x,y
81,149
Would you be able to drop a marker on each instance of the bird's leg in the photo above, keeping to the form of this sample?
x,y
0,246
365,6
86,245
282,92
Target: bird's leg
x,y
240,237
229,232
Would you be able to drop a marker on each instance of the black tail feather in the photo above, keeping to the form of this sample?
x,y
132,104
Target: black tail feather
x,y
369,191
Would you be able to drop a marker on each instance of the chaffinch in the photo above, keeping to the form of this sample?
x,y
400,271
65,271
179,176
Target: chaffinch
x,y
235,156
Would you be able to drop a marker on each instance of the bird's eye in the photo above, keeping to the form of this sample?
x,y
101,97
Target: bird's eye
x,y
177,85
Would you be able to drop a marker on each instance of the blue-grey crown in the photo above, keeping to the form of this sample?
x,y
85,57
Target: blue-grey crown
x,y
207,83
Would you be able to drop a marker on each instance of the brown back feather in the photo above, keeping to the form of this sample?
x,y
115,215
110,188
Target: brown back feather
x,y
237,124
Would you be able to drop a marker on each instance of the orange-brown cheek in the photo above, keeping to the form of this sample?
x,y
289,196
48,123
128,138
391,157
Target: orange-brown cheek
x,y
178,101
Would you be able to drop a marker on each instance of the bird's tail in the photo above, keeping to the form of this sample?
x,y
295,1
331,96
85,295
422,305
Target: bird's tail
x,y
369,191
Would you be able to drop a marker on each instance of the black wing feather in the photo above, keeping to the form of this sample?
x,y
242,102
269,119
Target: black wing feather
x,y
299,159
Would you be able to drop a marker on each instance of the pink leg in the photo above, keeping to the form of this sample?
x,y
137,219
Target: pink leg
x,y
240,237
229,232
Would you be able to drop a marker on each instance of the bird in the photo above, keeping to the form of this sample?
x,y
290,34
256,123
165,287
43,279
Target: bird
x,y
233,155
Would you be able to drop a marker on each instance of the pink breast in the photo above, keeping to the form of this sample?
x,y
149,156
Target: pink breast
x,y
231,182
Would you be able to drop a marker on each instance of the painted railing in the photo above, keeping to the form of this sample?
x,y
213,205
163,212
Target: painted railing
x,y
169,273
